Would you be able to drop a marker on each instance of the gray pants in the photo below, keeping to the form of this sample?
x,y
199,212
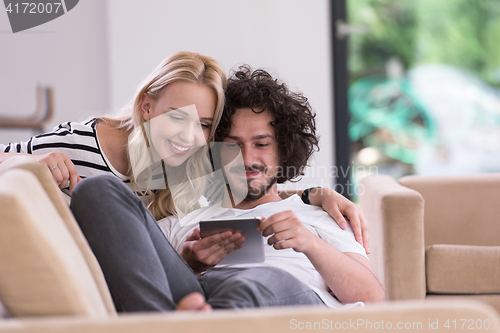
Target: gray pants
x,y
145,273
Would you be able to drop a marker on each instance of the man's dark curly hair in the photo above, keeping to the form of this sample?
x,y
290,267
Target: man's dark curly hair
x,y
294,124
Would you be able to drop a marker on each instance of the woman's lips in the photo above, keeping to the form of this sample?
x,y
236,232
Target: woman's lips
x,y
178,149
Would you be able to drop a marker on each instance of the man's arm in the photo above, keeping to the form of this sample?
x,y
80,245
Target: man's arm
x,y
349,275
339,208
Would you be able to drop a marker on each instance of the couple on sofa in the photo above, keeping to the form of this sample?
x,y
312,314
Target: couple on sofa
x,y
272,129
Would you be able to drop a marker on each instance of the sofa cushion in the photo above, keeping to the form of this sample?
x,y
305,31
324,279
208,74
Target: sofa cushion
x,y
42,270
462,269
42,173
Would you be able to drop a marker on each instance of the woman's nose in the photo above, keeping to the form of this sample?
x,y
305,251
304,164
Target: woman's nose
x,y
192,133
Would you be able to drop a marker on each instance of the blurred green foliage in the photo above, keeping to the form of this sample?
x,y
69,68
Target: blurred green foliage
x,y
461,33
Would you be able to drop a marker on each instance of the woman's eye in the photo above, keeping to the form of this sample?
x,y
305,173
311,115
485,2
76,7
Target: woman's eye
x,y
262,145
204,126
175,118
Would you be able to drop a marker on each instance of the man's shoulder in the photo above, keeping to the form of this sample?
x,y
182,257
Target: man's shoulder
x,y
297,204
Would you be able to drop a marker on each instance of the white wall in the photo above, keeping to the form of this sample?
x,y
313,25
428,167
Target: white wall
x,y
96,54
68,53
290,38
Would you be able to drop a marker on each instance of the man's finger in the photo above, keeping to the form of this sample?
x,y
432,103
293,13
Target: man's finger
x,y
194,235
276,227
281,236
227,244
197,233
273,219
215,239
235,243
219,251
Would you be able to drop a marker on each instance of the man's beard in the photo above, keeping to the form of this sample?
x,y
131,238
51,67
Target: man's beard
x,y
248,193
255,193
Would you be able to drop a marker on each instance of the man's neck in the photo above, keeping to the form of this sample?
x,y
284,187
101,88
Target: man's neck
x,y
271,196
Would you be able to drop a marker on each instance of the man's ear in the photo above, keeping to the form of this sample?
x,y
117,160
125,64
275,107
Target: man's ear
x,y
145,106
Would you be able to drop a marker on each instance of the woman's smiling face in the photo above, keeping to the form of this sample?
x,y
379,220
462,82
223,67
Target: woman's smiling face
x,y
180,121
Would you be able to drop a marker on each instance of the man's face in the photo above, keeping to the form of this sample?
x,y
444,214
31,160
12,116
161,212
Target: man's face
x,y
253,135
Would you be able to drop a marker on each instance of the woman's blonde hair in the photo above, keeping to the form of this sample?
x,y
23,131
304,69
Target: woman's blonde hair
x,y
186,67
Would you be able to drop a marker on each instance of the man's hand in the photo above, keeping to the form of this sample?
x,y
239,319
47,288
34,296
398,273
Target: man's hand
x,y
339,207
62,168
349,275
288,232
204,253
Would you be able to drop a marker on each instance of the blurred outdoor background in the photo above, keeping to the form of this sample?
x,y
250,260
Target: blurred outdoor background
x,y
424,87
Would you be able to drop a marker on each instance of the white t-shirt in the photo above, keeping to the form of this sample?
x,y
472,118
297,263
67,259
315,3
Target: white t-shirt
x,y
297,264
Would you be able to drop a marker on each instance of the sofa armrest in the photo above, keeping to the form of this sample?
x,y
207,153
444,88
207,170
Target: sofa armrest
x,y
59,202
403,316
395,216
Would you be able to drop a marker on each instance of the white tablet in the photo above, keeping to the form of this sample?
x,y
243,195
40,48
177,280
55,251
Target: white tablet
x,y
253,248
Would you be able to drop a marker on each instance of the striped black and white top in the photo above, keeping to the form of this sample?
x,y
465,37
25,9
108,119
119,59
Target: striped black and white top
x,y
78,140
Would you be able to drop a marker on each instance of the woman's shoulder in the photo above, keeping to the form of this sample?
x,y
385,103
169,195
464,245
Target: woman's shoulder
x,y
68,132
76,127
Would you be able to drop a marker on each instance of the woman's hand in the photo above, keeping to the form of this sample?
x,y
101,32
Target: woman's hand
x,y
341,208
62,168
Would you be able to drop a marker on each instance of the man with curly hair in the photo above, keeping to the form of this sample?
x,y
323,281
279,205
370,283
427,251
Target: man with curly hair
x,y
273,130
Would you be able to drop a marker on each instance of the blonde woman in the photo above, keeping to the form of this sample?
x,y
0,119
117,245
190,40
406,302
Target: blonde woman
x,y
117,144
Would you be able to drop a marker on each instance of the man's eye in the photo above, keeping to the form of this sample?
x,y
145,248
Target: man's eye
x,y
231,145
262,144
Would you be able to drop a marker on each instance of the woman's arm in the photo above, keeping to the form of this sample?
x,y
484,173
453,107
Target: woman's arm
x,y
339,208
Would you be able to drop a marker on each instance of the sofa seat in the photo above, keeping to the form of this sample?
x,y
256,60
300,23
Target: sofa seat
x,y
462,269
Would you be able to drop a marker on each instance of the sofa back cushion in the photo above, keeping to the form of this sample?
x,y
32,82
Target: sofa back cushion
x,y
42,270
460,210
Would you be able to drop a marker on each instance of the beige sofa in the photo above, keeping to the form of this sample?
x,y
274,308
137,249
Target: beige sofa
x,y
51,282
435,237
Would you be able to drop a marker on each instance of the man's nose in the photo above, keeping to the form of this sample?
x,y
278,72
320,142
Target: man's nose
x,y
249,155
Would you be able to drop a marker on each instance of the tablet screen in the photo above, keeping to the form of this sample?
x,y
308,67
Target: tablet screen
x,y
253,249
